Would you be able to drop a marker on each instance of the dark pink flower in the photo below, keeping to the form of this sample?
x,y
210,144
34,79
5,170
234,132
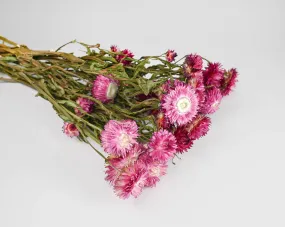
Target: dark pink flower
x,y
199,127
162,145
193,63
104,88
213,74
114,48
131,181
196,81
125,54
162,121
229,81
171,55
70,129
85,104
183,140
212,101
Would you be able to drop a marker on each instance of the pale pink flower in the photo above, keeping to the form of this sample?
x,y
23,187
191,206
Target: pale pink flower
x,y
85,104
70,129
171,55
117,164
131,181
162,145
180,105
118,137
212,101
104,89
155,169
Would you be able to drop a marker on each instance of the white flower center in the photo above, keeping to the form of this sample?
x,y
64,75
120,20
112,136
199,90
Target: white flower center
x,y
112,90
183,105
155,172
124,140
215,104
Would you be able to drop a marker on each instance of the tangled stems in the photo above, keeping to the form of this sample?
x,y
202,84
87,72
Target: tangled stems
x,y
61,78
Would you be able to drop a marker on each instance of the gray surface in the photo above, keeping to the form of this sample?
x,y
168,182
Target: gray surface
x,y
232,177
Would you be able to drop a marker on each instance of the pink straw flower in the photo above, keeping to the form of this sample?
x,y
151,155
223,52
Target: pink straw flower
x,y
212,101
181,105
125,54
162,145
155,170
85,104
117,164
114,48
213,74
229,81
193,63
171,55
199,127
183,140
70,129
118,137
196,81
131,181
104,88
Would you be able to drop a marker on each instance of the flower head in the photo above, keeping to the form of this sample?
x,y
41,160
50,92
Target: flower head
x,y
213,74
199,127
183,140
85,104
171,55
70,129
212,101
118,137
116,164
193,63
114,48
229,81
180,105
104,89
125,54
155,169
131,181
196,81
162,145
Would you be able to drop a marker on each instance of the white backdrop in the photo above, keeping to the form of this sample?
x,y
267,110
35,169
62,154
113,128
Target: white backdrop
x,y
232,177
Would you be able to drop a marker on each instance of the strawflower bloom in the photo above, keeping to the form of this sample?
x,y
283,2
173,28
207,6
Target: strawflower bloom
x,y
180,105
131,181
199,127
155,170
183,140
213,74
122,57
85,104
70,129
118,137
196,81
162,145
193,63
229,81
104,89
117,164
114,48
212,101
171,55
